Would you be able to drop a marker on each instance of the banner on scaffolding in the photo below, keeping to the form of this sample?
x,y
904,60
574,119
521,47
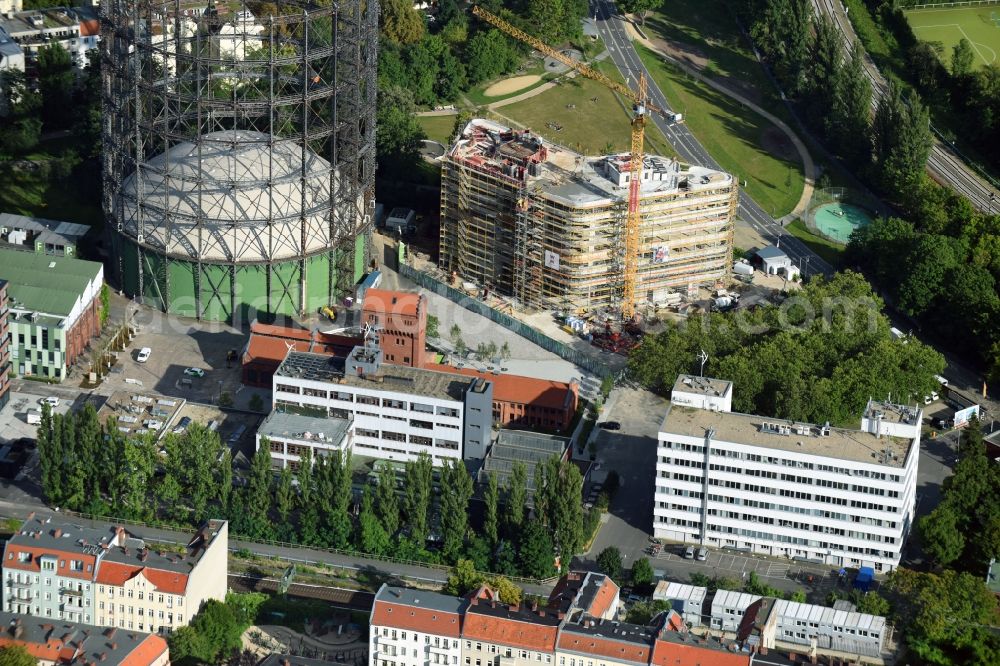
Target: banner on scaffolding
x,y
660,254
551,260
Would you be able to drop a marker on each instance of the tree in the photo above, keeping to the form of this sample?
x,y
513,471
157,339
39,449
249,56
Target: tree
x,y
609,561
308,514
456,490
56,80
536,554
945,614
824,73
640,7
224,481
213,633
284,498
568,513
962,58
517,496
642,573
852,110
386,499
372,537
463,578
432,326
419,476
400,22
644,611
490,54
16,655
902,138
399,135
508,592
257,502
929,263
491,498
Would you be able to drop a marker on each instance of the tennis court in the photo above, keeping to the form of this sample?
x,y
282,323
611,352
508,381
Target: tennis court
x,y
948,25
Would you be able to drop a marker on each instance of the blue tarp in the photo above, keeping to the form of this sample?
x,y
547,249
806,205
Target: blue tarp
x,y
864,578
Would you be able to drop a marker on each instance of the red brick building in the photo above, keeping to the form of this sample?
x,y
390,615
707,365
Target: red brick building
x,y
269,345
401,318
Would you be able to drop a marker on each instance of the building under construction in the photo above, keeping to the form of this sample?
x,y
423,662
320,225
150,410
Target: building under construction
x,y
547,225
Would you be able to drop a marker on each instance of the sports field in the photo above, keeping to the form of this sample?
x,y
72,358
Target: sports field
x,y
948,25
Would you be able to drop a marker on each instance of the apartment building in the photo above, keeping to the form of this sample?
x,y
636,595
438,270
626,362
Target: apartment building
x,y
397,411
52,643
54,310
415,628
77,30
547,225
110,577
289,435
575,627
838,496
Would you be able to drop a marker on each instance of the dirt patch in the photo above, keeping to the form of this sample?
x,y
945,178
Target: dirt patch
x,y
507,86
778,144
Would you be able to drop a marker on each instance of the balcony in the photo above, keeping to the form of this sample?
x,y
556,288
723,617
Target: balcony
x,y
17,585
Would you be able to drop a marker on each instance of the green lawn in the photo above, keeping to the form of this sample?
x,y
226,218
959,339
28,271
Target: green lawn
x,y
949,25
437,128
732,134
532,66
829,251
588,126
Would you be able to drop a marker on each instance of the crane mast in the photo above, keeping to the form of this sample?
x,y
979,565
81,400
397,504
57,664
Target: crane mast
x,y
640,108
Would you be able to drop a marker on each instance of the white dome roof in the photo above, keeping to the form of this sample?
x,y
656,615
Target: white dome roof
x,y
232,196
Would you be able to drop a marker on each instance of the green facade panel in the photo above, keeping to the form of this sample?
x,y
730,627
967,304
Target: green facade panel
x,y
317,282
284,295
183,299
359,258
216,292
251,292
152,267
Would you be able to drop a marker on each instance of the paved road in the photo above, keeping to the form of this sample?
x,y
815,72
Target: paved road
x,y
611,27
944,164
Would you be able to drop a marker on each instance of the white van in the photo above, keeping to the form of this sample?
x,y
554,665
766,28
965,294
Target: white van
x,y
941,380
33,417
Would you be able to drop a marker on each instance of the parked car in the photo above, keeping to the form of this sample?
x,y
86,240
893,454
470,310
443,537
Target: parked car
x,y
237,434
52,401
610,425
194,372
689,553
702,555
143,354
182,425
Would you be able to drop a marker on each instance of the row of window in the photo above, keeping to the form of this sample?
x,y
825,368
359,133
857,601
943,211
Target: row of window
x,y
371,400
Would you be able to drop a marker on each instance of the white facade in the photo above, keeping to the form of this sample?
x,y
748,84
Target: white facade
x,y
703,393
728,608
840,630
414,628
399,414
35,29
288,435
802,491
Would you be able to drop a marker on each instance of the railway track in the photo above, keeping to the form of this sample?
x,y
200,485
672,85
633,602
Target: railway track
x,y
338,596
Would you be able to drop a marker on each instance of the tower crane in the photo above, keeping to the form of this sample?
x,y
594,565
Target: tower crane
x,y
640,107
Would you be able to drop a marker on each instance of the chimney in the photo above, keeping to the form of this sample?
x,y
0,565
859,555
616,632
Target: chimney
x,y
31,516
474,601
57,533
514,608
114,646
534,604
18,631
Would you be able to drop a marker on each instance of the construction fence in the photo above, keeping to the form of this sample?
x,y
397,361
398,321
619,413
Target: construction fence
x,y
585,361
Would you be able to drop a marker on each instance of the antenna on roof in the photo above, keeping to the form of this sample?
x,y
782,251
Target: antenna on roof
x,y
703,357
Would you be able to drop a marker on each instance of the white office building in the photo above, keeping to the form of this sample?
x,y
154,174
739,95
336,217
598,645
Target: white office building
x,y
810,492
397,411
288,435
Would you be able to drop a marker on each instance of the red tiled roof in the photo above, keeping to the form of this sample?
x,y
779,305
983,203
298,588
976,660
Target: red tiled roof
x,y
672,653
12,561
604,647
381,300
48,652
508,631
90,28
116,573
515,388
603,599
148,652
424,620
269,344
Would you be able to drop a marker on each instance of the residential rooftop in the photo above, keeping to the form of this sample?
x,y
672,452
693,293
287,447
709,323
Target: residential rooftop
x,y
805,438
407,596
286,426
56,641
49,232
116,543
567,177
403,379
35,20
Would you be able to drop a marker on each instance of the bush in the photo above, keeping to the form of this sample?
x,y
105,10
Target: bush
x,y
610,562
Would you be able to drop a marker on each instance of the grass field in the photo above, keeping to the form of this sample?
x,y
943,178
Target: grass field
x,y
947,26
732,134
587,126
437,128
829,251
